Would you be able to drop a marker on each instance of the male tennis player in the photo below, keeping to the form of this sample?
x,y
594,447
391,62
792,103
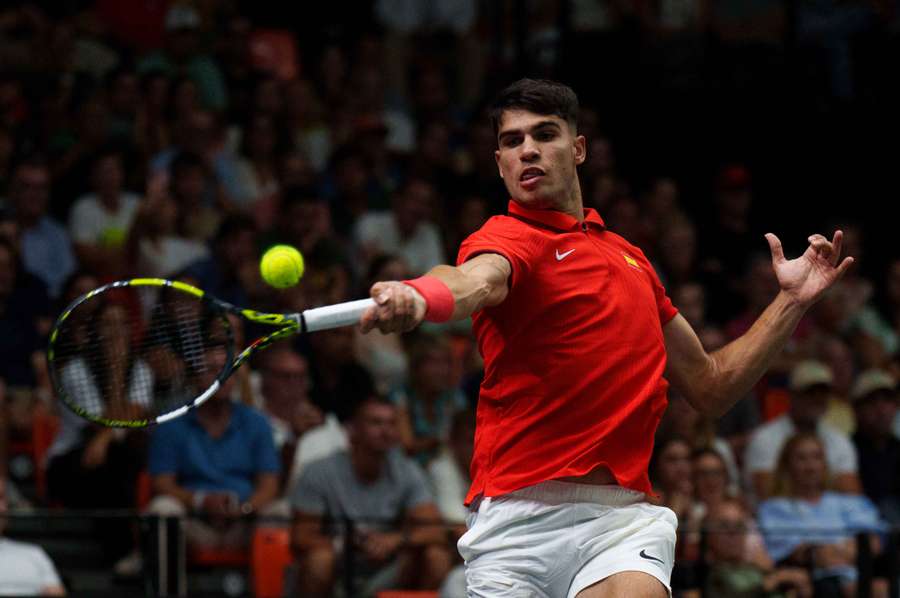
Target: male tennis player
x,y
577,333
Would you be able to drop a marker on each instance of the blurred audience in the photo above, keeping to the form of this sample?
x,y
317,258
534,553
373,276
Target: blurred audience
x,y
810,385
733,571
177,139
428,402
874,396
397,535
218,464
807,525
46,249
25,569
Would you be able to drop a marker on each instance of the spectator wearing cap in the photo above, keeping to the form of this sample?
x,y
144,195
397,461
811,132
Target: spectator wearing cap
x,y
810,385
874,397
182,57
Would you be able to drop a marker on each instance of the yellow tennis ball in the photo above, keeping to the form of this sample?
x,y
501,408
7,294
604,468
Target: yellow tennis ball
x,y
281,266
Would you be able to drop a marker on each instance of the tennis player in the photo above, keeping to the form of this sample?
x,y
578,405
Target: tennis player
x,y
579,340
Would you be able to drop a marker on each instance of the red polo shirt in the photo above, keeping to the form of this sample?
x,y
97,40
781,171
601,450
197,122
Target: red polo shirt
x,y
573,357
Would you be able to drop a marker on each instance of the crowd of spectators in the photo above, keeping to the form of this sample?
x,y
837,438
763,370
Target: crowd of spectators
x,y
180,139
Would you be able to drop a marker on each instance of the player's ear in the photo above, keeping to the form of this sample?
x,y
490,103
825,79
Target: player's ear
x,y
580,149
497,158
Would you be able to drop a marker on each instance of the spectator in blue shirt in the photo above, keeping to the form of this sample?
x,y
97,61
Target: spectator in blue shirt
x,y
806,525
46,249
217,462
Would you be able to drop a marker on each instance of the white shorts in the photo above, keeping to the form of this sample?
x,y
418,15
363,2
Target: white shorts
x,y
554,539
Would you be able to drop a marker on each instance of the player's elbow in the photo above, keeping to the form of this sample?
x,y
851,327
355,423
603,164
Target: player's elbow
x,y
705,396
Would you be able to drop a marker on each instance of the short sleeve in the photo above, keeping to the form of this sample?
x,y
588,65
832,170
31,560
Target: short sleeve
x,y
81,222
779,527
309,493
418,492
841,454
164,451
761,452
664,305
266,457
501,235
860,515
48,575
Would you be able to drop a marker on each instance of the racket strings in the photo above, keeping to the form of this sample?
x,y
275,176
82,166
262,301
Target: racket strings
x,y
136,353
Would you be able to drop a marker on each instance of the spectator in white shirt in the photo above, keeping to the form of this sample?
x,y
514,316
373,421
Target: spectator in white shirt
x,y
100,221
406,230
25,569
810,385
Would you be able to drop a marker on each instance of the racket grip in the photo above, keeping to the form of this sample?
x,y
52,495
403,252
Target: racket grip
x,y
335,316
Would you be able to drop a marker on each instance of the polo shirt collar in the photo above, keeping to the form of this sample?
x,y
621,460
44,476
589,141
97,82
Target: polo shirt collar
x,y
555,219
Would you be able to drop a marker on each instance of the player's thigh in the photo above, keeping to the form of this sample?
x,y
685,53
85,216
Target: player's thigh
x,y
627,584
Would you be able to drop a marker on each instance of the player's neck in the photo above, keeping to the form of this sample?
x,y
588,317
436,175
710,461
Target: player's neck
x,y
572,204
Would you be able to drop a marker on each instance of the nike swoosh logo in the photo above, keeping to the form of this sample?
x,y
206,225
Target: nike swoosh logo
x,y
643,554
561,256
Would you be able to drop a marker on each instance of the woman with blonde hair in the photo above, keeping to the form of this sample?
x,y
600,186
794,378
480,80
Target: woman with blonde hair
x,y
807,525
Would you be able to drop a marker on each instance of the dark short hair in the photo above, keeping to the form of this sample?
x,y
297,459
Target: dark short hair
x,y
540,96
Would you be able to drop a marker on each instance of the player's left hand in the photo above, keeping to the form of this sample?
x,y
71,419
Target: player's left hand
x,y
807,277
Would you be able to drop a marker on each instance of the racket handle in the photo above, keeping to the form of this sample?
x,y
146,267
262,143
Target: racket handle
x,y
335,316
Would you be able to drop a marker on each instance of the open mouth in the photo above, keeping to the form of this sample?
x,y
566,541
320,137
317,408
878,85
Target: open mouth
x,y
531,176
531,173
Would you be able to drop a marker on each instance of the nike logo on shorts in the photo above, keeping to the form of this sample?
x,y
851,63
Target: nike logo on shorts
x,y
643,554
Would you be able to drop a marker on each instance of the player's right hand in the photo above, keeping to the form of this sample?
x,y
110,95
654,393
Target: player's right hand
x,y
398,308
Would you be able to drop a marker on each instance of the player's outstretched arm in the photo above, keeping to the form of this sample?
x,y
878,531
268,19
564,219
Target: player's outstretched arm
x,y
714,382
444,293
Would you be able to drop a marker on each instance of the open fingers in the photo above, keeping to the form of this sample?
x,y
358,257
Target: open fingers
x,y
775,248
837,242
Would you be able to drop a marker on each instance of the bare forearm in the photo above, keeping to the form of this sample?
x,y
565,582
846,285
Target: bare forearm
x,y
265,492
714,383
471,287
740,364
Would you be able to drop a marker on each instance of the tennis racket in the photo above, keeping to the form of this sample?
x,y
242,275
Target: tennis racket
x,y
140,352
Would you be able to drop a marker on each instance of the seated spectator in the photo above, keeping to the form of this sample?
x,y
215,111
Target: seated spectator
x,y
429,401
406,230
449,478
808,526
190,180
256,188
183,53
284,386
45,245
733,572
25,569
24,319
232,267
670,473
217,463
90,467
810,386
681,419
874,396
712,486
397,540
157,243
100,221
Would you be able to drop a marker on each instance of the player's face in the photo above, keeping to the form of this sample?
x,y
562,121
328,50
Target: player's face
x,y
537,155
